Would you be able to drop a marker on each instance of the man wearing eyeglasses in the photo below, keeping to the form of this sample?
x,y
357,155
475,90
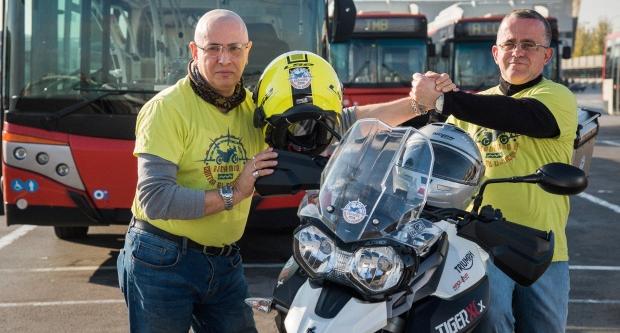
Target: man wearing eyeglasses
x,y
521,124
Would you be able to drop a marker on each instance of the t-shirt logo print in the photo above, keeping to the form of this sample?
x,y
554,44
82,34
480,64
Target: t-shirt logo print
x,y
223,160
496,147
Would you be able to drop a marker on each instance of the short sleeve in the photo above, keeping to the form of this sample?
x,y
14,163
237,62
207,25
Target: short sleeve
x,y
160,131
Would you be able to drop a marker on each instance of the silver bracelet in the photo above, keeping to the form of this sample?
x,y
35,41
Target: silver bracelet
x,y
417,108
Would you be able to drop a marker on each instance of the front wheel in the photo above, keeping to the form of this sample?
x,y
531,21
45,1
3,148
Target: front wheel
x,y
71,232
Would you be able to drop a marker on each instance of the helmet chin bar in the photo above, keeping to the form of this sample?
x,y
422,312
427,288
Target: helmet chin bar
x,y
321,136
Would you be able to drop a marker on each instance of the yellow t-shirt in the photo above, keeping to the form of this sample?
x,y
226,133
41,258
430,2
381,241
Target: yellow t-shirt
x,y
210,149
509,154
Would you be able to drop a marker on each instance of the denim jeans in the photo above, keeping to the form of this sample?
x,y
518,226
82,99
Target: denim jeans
x,y
541,307
169,288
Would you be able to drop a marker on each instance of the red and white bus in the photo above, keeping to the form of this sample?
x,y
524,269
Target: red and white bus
x,y
611,73
77,72
376,64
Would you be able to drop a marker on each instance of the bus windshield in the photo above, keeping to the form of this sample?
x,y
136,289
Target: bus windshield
x,y
474,67
90,46
378,62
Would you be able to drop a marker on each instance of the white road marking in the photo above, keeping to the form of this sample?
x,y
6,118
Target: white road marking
x,y
25,304
593,268
608,142
15,234
599,201
594,301
57,269
593,329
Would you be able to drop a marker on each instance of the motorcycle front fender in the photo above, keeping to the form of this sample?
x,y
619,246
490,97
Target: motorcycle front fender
x,y
319,309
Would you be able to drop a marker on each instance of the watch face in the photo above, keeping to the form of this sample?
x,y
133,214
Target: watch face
x,y
227,191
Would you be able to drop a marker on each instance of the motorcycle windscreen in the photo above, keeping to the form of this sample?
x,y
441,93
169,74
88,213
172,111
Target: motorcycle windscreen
x,y
376,179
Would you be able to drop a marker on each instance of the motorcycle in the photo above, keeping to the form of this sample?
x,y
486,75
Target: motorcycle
x,y
370,255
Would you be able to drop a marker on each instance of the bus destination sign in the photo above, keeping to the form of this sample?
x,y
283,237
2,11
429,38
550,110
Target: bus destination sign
x,y
477,29
389,25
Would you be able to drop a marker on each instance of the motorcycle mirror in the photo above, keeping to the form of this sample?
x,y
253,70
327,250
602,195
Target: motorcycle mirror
x,y
555,178
563,179
260,304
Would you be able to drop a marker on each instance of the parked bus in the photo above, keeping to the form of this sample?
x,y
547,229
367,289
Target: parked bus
x,y
376,64
466,52
611,73
77,73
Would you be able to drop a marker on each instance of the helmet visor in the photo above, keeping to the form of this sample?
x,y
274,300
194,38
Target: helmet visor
x,y
453,165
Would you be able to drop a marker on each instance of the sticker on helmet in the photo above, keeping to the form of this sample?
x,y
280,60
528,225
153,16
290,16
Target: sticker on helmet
x,y
354,212
300,78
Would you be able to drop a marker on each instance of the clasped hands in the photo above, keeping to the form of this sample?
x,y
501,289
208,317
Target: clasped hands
x,y
427,87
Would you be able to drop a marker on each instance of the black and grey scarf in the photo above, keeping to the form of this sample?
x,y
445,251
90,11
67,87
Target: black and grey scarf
x,y
203,89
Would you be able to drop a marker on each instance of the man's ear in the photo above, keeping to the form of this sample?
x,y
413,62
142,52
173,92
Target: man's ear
x,y
193,50
548,54
495,52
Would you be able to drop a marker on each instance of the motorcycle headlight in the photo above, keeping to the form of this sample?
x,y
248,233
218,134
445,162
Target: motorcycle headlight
x,y
377,268
315,249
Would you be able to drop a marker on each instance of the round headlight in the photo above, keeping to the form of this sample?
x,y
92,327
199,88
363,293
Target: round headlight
x,y
315,249
43,158
20,153
377,268
62,169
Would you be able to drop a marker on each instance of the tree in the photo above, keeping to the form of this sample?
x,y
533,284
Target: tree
x,y
591,41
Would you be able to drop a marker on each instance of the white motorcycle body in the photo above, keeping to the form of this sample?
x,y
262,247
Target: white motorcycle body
x,y
465,266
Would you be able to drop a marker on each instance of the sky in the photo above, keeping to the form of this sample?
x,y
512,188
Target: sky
x,y
591,11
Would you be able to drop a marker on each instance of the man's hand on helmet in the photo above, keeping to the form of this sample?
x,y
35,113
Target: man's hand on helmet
x,y
260,165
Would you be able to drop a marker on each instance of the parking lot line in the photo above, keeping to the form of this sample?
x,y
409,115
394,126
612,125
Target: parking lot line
x,y
593,268
26,304
15,234
594,301
608,142
599,201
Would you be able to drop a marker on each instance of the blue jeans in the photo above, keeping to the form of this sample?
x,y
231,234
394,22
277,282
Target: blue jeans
x,y
541,307
169,288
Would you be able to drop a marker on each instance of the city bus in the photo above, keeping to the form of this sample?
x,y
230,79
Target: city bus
x,y
465,54
376,64
611,73
76,73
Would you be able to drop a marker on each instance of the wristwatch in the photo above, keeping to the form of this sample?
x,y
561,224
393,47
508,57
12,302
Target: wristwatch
x,y
226,192
439,104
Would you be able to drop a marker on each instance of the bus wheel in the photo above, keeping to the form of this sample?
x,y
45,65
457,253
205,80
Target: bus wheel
x,y
70,232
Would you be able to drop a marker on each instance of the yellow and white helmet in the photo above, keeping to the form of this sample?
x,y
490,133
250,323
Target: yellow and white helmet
x,y
299,102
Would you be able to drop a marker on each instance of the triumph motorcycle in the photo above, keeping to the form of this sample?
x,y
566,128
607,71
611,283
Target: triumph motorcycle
x,y
371,254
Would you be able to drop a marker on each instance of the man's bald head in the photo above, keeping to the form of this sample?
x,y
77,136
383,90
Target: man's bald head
x,y
209,20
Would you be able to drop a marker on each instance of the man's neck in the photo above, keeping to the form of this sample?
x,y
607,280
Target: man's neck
x,y
510,89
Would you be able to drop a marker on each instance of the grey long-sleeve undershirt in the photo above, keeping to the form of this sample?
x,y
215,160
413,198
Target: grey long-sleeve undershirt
x,y
162,198
160,195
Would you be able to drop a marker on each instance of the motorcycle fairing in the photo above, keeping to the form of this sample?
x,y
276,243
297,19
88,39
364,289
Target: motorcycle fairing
x,y
521,252
465,264
354,316
456,315
291,278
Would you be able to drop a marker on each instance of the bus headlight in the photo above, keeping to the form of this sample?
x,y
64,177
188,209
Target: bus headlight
x,y
20,153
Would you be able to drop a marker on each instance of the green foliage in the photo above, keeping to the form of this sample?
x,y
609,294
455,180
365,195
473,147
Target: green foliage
x,y
591,41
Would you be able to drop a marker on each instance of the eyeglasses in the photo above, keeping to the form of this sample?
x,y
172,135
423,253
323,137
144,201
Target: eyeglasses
x,y
525,46
235,50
